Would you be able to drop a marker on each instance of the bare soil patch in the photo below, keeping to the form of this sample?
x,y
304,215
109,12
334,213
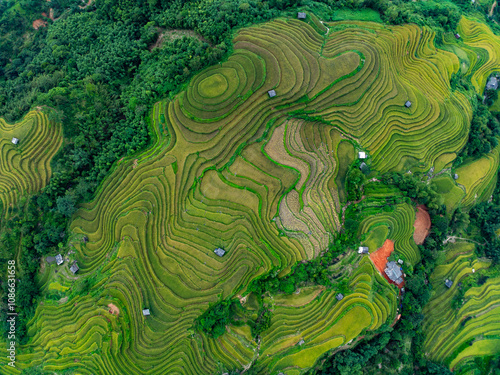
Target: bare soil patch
x,y
422,225
39,23
113,309
379,257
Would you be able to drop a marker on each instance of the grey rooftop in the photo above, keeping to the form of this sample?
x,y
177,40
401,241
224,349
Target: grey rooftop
x,y
220,252
393,272
74,268
271,93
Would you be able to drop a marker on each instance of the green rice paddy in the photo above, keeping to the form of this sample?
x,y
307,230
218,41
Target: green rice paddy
x,y
458,335
25,167
262,178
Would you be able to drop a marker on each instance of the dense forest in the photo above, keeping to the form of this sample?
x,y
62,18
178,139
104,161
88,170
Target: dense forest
x,y
98,69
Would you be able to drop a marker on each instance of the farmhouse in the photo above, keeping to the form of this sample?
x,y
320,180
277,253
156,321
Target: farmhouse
x,y
339,296
393,272
271,93
74,268
363,250
145,312
59,259
492,83
301,342
15,140
448,283
220,252
361,155
408,104
400,261
457,35
301,15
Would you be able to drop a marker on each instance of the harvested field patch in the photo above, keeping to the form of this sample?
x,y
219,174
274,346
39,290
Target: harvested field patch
x,y
422,225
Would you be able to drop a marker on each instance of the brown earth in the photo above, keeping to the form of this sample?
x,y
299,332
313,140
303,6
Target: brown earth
x,y
379,257
113,309
422,225
39,23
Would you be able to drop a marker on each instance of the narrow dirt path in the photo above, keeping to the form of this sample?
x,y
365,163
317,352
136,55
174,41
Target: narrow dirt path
x,y
492,9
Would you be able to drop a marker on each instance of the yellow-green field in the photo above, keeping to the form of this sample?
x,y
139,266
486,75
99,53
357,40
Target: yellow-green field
x,y
264,179
25,167
456,336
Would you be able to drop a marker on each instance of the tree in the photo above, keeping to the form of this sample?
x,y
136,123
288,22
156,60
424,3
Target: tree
x,y
66,205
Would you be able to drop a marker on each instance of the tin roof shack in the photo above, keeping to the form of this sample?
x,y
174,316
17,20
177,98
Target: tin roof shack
x,y
393,272
59,259
271,93
301,15
74,268
339,297
448,283
220,252
361,155
492,83
408,104
146,312
15,140
363,250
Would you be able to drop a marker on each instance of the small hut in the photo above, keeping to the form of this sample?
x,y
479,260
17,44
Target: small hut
x,y
361,155
457,35
74,268
301,15
492,83
455,176
339,296
145,312
448,283
400,261
220,252
363,250
271,93
408,104
15,140
59,259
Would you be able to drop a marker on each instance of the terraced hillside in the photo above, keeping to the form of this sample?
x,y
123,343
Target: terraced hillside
x,y
261,178
479,178
396,226
25,167
460,332
482,51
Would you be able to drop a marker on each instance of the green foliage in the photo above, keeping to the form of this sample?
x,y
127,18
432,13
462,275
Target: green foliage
x,y
413,187
354,182
314,271
213,322
262,323
486,216
484,130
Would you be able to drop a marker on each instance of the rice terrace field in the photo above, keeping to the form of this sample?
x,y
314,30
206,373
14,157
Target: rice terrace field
x,y
258,155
